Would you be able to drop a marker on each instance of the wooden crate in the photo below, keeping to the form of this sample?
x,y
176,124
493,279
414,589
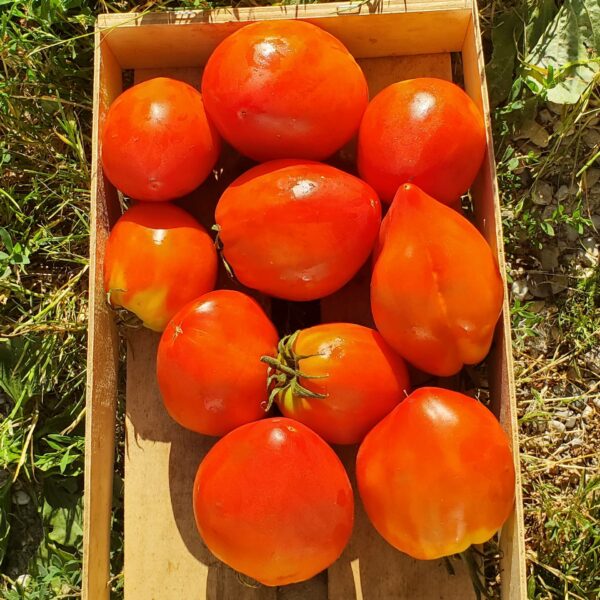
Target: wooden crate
x,y
164,557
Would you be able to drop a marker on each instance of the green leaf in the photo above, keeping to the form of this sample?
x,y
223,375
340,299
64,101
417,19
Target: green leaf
x,y
565,60
10,381
64,524
5,237
500,69
547,228
540,14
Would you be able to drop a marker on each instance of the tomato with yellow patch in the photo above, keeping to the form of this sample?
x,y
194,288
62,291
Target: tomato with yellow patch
x,y
340,379
158,258
437,474
436,290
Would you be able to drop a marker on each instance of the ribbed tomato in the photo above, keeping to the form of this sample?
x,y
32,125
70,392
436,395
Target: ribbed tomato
x,y
340,379
284,89
157,142
437,474
158,258
297,230
209,370
273,501
436,292
423,131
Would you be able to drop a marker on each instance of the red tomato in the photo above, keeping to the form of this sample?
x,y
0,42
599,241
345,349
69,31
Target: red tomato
x,y
340,379
281,89
297,230
436,292
273,501
157,259
209,371
436,475
423,131
157,142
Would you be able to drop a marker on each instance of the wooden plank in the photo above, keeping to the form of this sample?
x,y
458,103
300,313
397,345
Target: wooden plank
x,y
103,343
186,39
500,362
164,556
370,568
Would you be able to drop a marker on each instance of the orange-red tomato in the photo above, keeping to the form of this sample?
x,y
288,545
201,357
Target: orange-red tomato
x,y
423,131
436,292
284,89
209,370
340,379
437,474
297,230
273,501
158,258
157,142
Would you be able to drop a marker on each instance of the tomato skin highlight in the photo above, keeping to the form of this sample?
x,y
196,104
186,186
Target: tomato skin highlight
x,y
285,225
423,131
209,371
437,474
436,291
158,258
281,89
273,501
157,142
362,378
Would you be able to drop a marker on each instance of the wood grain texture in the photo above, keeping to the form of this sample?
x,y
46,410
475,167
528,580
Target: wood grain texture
x,y
500,362
186,39
102,356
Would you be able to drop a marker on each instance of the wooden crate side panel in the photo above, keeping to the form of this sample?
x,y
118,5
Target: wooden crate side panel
x,y
102,367
173,41
500,364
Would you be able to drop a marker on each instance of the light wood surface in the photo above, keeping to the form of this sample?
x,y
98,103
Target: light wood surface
x,y
164,557
102,358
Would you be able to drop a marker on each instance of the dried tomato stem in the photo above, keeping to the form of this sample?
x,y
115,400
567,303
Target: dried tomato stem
x,y
219,247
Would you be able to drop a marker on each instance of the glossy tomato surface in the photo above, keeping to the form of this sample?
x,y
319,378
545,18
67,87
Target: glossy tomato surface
x,y
284,89
297,230
209,371
423,131
359,377
436,292
158,258
436,475
273,501
157,142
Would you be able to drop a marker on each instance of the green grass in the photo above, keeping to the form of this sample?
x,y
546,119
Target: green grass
x,y
45,127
